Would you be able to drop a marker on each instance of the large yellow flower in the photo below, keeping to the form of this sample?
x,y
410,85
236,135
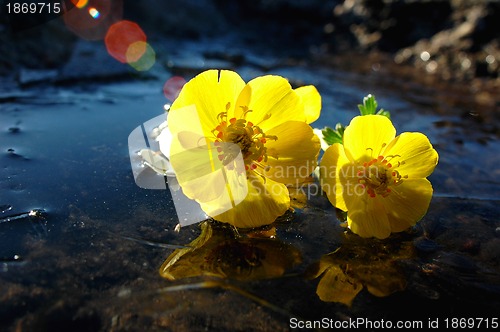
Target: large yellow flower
x,y
378,178
242,143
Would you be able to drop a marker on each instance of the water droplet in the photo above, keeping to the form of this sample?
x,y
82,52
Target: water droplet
x,y
490,59
14,130
12,154
4,208
425,56
466,63
431,66
329,28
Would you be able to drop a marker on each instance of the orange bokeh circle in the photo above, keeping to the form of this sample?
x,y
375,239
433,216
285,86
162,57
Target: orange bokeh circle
x,y
123,35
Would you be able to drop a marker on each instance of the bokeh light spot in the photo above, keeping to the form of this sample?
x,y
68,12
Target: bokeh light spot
x,y
146,59
135,51
425,56
80,3
94,12
173,86
121,36
91,19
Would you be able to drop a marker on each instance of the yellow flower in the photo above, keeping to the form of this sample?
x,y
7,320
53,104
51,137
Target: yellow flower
x,y
242,143
378,178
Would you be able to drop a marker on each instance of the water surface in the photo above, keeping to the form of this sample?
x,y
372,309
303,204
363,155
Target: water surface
x,y
90,259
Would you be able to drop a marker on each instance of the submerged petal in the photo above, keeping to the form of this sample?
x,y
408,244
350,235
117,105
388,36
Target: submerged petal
x,y
336,286
311,100
266,200
416,151
292,157
367,135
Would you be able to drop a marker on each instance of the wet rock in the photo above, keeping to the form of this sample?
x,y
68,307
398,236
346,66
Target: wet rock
x,y
465,49
455,39
90,61
391,25
34,76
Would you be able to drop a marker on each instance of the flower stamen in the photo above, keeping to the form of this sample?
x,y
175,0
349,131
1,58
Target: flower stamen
x,y
379,174
250,139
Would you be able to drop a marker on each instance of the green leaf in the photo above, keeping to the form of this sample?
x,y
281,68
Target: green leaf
x,y
370,107
332,136
384,113
339,128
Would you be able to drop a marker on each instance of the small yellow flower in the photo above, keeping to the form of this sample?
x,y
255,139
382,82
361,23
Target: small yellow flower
x,y
378,178
264,122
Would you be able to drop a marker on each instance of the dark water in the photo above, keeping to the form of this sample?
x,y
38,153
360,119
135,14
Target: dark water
x,y
90,259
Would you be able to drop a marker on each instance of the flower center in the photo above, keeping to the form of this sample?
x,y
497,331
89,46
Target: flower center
x,y
378,175
249,137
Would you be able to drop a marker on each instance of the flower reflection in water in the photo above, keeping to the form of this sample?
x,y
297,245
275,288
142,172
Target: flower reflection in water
x,y
360,263
219,252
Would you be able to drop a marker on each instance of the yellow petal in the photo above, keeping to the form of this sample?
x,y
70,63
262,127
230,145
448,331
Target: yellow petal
x,y
366,136
203,177
293,156
199,181
407,203
210,92
312,102
171,267
381,280
334,173
266,200
367,217
416,151
336,286
272,102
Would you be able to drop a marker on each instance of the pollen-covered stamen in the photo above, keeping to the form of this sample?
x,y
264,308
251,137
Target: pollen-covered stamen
x,y
250,139
379,174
